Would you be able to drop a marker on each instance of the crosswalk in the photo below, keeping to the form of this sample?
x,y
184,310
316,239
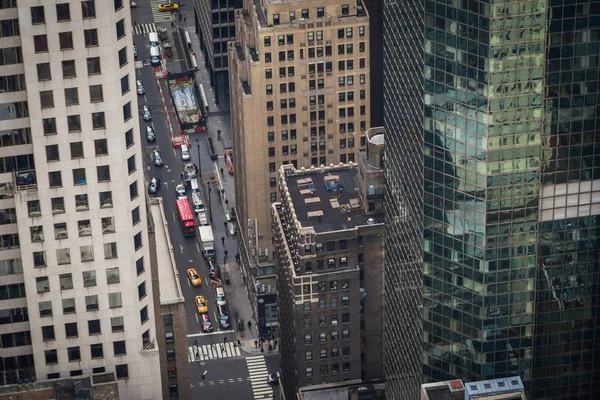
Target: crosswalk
x,y
258,372
213,352
144,29
158,15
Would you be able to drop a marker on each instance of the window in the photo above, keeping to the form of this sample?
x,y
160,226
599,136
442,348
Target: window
x,y
103,172
135,215
68,306
97,350
43,72
125,84
346,366
144,314
119,348
123,56
66,281
323,369
333,302
63,12
141,290
40,44
137,241
345,300
322,337
112,275
129,138
89,278
308,372
37,15
74,123
52,153
307,339
46,99
292,16
91,37
88,9
96,94
93,66
63,256
346,334
51,357
267,41
122,371
268,74
43,284
127,112
118,5
65,40
273,197
117,324
169,337
114,300
98,120
86,253
79,176
71,330
60,231
49,125
84,227
48,333
71,97
268,57
120,29
168,319
139,265
45,308
68,69
110,250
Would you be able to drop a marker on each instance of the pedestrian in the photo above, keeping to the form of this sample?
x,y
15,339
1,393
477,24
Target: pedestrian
x,y
184,20
227,202
223,240
225,225
249,324
172,24
275,343
256,344
221,171
222,348
234,344
239,343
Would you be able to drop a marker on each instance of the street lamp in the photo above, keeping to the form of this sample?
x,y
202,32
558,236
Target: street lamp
x,y
199,161
209,204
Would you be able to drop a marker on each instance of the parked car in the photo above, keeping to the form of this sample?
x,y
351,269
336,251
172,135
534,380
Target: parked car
x,y
147,114
241,325
139,87
185,153
273,379
194,278
150,135
224,320
166,7
201,305
206,324
135,53
154,186
220,295
157,158
180,190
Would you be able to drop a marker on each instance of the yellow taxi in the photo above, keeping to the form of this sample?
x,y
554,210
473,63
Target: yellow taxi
x,y
201,305
194,278
168,7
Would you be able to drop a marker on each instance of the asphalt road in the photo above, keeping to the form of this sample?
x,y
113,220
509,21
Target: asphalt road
x,y
228,378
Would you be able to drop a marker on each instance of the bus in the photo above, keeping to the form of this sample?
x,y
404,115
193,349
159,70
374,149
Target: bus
x,y
186,217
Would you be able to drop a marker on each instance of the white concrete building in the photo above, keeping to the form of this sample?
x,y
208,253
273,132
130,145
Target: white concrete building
x,y
73,218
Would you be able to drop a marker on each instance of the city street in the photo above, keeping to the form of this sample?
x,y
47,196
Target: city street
x,y
227,366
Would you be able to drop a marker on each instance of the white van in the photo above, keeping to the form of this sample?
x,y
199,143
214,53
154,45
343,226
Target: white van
x,y
153,38
185,153
194,186
154,56
221,297
197,202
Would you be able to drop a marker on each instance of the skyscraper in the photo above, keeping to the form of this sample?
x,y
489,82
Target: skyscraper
x,y
504,155
76,295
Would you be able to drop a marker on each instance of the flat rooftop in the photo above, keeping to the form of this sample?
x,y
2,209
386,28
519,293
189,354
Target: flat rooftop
x,y
168,277
328,199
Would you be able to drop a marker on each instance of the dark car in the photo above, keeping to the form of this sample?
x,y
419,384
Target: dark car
x,y
241,325
154,186
273,379
224,320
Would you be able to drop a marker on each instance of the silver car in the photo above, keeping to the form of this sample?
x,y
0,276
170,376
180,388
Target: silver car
x,y
157,158
147,114
139,86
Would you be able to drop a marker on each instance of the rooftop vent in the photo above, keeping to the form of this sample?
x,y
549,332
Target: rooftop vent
x,y
370,221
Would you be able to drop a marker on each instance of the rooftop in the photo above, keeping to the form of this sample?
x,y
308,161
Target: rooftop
x,y
168,276
495,389
327,199
343,391
265,285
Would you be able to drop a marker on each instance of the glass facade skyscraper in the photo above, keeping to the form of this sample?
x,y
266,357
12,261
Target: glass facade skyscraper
x,y
502,146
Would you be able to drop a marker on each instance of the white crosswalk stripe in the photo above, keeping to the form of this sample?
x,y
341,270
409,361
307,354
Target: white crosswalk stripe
x,y
257,369
144,29
158,15
213,352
